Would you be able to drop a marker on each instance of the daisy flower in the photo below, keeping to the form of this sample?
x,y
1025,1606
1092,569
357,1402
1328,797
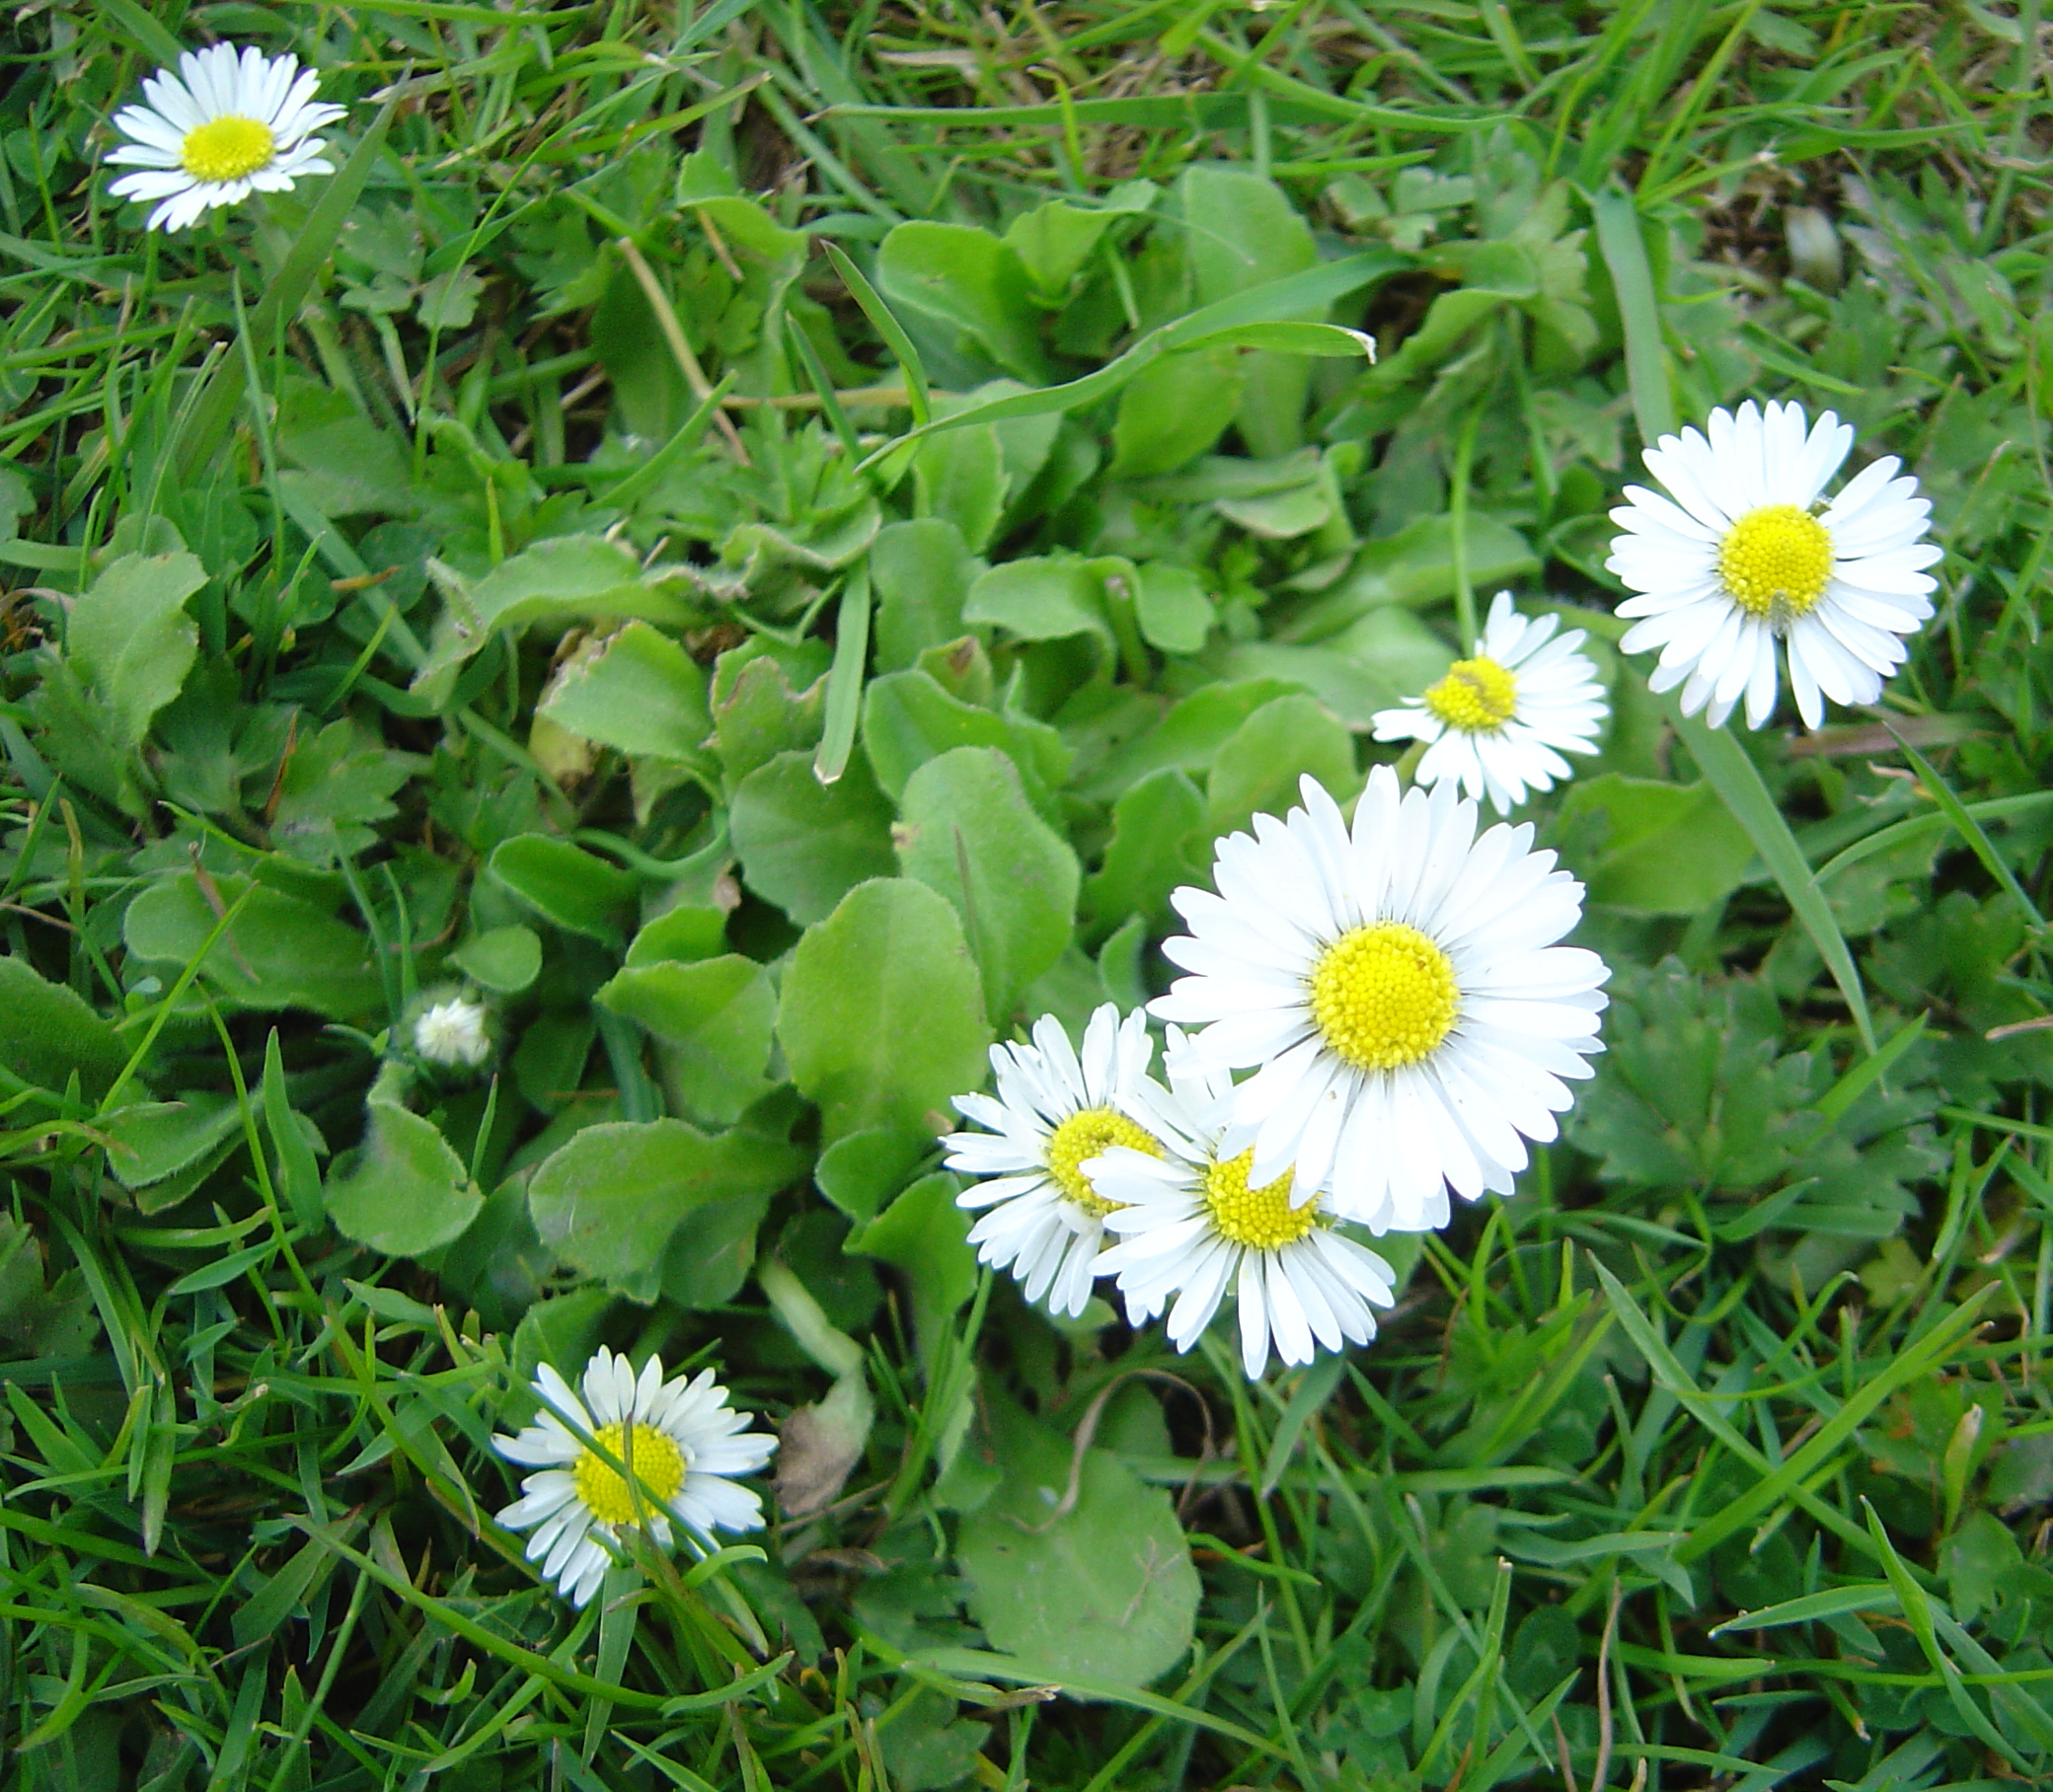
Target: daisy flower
x,y
1744,557
1189,1225
1401,993
677,1437
453,1032
224,126
1499,723
1053,1112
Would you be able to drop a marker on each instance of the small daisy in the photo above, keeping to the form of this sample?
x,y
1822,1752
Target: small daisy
x,y
1499,723
1744,557
453,1032
1046,1224
1401,993
679,1438
1191,1225
223,127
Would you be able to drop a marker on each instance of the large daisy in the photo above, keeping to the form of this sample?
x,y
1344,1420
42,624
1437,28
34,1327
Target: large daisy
x,y
678,1438
1053,1112
1499,723
1748,553
224,126
1189,1225
1400,988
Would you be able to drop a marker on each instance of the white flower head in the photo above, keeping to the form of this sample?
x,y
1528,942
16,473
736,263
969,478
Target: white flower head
x,y
1053,1112
1401,991
453,1032
1499,723
226,125
1189,1225
680,1440
1745,557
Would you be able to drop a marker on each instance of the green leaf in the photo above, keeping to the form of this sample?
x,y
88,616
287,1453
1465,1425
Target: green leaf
x,y
282,952
609,1200
1102,1583
564,579
908,718
158,1138
408,1192
130,638
1188,737
504,961
640,693
1173,411
567,885
1671,849
968,830
921,573
48,1033
1729,772
804,844
860,1173
1241,231
1258,770
1042,598
1053,241
882,1013
1159,839
716,1018
960,478
927,1235
1173,605
963,276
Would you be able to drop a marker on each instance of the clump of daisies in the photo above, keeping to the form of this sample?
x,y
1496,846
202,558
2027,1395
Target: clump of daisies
x,y
228,123
678,1441
1499,722
1412,1023
1054,1112
1743,562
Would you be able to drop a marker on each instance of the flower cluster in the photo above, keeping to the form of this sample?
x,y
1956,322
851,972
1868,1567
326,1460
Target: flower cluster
x,y
1384,1014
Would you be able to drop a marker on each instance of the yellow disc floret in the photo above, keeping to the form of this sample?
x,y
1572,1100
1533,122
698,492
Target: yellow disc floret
x,y
1090,1133
1384,996
1261,1219
1477,697
1774,561
653,1455
227,148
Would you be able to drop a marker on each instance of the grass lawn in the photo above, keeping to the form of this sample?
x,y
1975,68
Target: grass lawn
x,y
568,676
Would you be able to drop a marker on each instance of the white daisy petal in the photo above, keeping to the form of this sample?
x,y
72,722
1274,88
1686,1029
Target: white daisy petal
x,y
678,1439
226,125
1750,540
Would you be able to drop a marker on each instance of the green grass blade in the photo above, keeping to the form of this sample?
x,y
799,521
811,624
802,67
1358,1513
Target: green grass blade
x,y
1640,315
1970,830
887,327
845,679
1736,780
143,30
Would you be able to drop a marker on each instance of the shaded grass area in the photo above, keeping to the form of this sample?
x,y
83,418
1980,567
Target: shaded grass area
x,y
1764,1334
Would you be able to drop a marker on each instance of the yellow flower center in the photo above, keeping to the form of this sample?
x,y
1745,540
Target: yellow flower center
x,y
653,1455
1261,1219
1085,1134
1384,996
227,148
1774,561
1477,697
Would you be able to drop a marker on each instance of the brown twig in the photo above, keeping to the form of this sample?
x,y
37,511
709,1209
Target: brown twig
x,y
1598,1778
680,347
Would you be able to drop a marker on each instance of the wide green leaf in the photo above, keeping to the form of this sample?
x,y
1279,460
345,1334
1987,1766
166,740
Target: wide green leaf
x,y
968,830
640,692
407,1192
130,638
48,1034
715,1018
1669,849
609,1201
882,1013
804,844
563,883
282,952
1075,1562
